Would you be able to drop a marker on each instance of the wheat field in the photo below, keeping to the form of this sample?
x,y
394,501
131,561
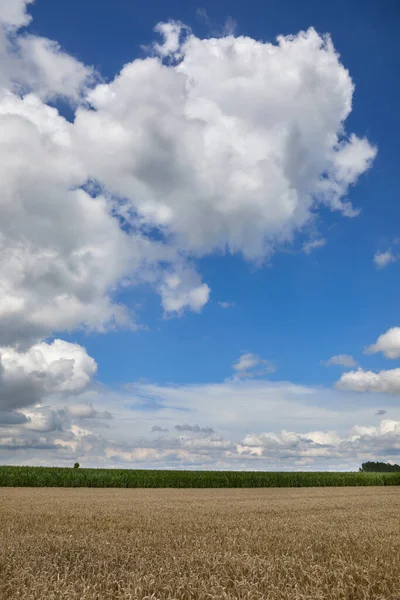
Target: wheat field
x,y
288,544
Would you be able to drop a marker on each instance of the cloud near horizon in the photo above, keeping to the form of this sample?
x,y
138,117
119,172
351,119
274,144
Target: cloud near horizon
x,y
387,382
239,424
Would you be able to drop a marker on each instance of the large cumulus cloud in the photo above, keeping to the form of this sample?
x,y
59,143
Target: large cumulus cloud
x,y
61,251
227,143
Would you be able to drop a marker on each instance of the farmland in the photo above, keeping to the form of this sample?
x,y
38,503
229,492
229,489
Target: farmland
x,y
126,478
287,544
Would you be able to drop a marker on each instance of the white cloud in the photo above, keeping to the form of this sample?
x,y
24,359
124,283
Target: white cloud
x,y
231,148
388,343
344,360
383,259
49,71
387,433
13,13
45,369
308,247
241,165
194,428
149,456
61,250
247,363
62,253
387,382
182,289
86,411
255,425
289,440
225,305
360,440
37,64
214,443
172,33
352,158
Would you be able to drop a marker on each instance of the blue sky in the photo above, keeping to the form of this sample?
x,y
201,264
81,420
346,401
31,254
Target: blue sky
x,y
260,193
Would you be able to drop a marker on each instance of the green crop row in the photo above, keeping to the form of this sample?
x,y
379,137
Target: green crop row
x,y
124,478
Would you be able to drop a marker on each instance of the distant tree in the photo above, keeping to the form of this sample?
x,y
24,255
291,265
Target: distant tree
x,y
76,466
379,467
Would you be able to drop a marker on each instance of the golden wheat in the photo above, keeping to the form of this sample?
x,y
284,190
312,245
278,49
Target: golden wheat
x,y
287,544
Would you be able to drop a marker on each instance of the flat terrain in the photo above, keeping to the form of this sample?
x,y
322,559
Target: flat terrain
x,y
291,544
147,478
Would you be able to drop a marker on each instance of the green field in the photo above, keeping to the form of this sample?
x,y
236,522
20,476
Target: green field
x,y
124,478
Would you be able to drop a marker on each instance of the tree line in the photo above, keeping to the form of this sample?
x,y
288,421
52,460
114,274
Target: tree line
x,y
378,467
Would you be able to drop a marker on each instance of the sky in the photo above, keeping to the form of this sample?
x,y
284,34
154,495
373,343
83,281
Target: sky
x,y
199,234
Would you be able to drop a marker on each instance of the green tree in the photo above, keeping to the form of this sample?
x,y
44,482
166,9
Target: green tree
x,y
379,467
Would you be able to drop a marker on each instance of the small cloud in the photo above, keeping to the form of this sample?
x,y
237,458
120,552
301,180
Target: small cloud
x,y
381,412
383,259
158,428
342,360
312,245
246,361
226,304
202,15
247,364
388,343
194,428
86,411
230,27
385,382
